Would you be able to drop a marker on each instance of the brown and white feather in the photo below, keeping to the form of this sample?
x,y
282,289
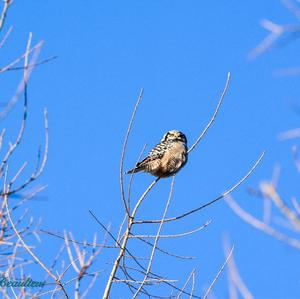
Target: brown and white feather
x,y
167,157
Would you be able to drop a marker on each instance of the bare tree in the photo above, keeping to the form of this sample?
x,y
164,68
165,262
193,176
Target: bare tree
x,y
128,268
17,254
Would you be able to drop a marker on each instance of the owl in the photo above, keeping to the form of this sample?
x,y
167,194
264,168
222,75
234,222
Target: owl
x,y
166,158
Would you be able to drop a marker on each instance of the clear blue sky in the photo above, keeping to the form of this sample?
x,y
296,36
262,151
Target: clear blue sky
x,y
180,52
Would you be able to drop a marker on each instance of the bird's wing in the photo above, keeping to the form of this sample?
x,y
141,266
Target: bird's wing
x,y
156,153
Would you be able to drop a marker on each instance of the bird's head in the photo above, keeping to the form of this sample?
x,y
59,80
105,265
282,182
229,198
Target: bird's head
x,y
174,135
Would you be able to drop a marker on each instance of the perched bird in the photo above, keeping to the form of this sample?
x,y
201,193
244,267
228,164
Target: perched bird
x,y
166,158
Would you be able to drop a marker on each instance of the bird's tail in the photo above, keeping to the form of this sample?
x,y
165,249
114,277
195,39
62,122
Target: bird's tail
x,y
134,170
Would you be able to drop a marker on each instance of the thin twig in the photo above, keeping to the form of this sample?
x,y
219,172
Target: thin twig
x,y
32,65
175,235
37,173
148,281
21,57
22,129
29,250
214,115
124,150
164,251
156,240
74,241
23,83
218,274
112,236
193,285
90,285
185,284
119,237
17,174
210,202
131,178
125,239
235,277
4,39
4,12
261,225
270,191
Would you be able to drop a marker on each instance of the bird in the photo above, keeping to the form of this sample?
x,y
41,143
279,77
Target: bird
x,y
166,158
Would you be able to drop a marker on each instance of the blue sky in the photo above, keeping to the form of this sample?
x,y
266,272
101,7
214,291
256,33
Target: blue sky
x,y
180,53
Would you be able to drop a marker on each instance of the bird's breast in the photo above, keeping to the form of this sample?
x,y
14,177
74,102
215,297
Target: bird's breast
x,y
174,158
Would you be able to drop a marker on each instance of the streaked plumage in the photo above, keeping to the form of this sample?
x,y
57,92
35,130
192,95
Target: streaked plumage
x,y
167,157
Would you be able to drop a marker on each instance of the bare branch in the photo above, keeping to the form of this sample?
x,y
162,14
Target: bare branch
x,y
23,83
37,173
261,225
156,239
175,235
235,277
269,191
131,178
166,252
31,66
218,274
214,115
27,247
193,285
124,150
4,12
4,39
211,202
101,245
186,283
